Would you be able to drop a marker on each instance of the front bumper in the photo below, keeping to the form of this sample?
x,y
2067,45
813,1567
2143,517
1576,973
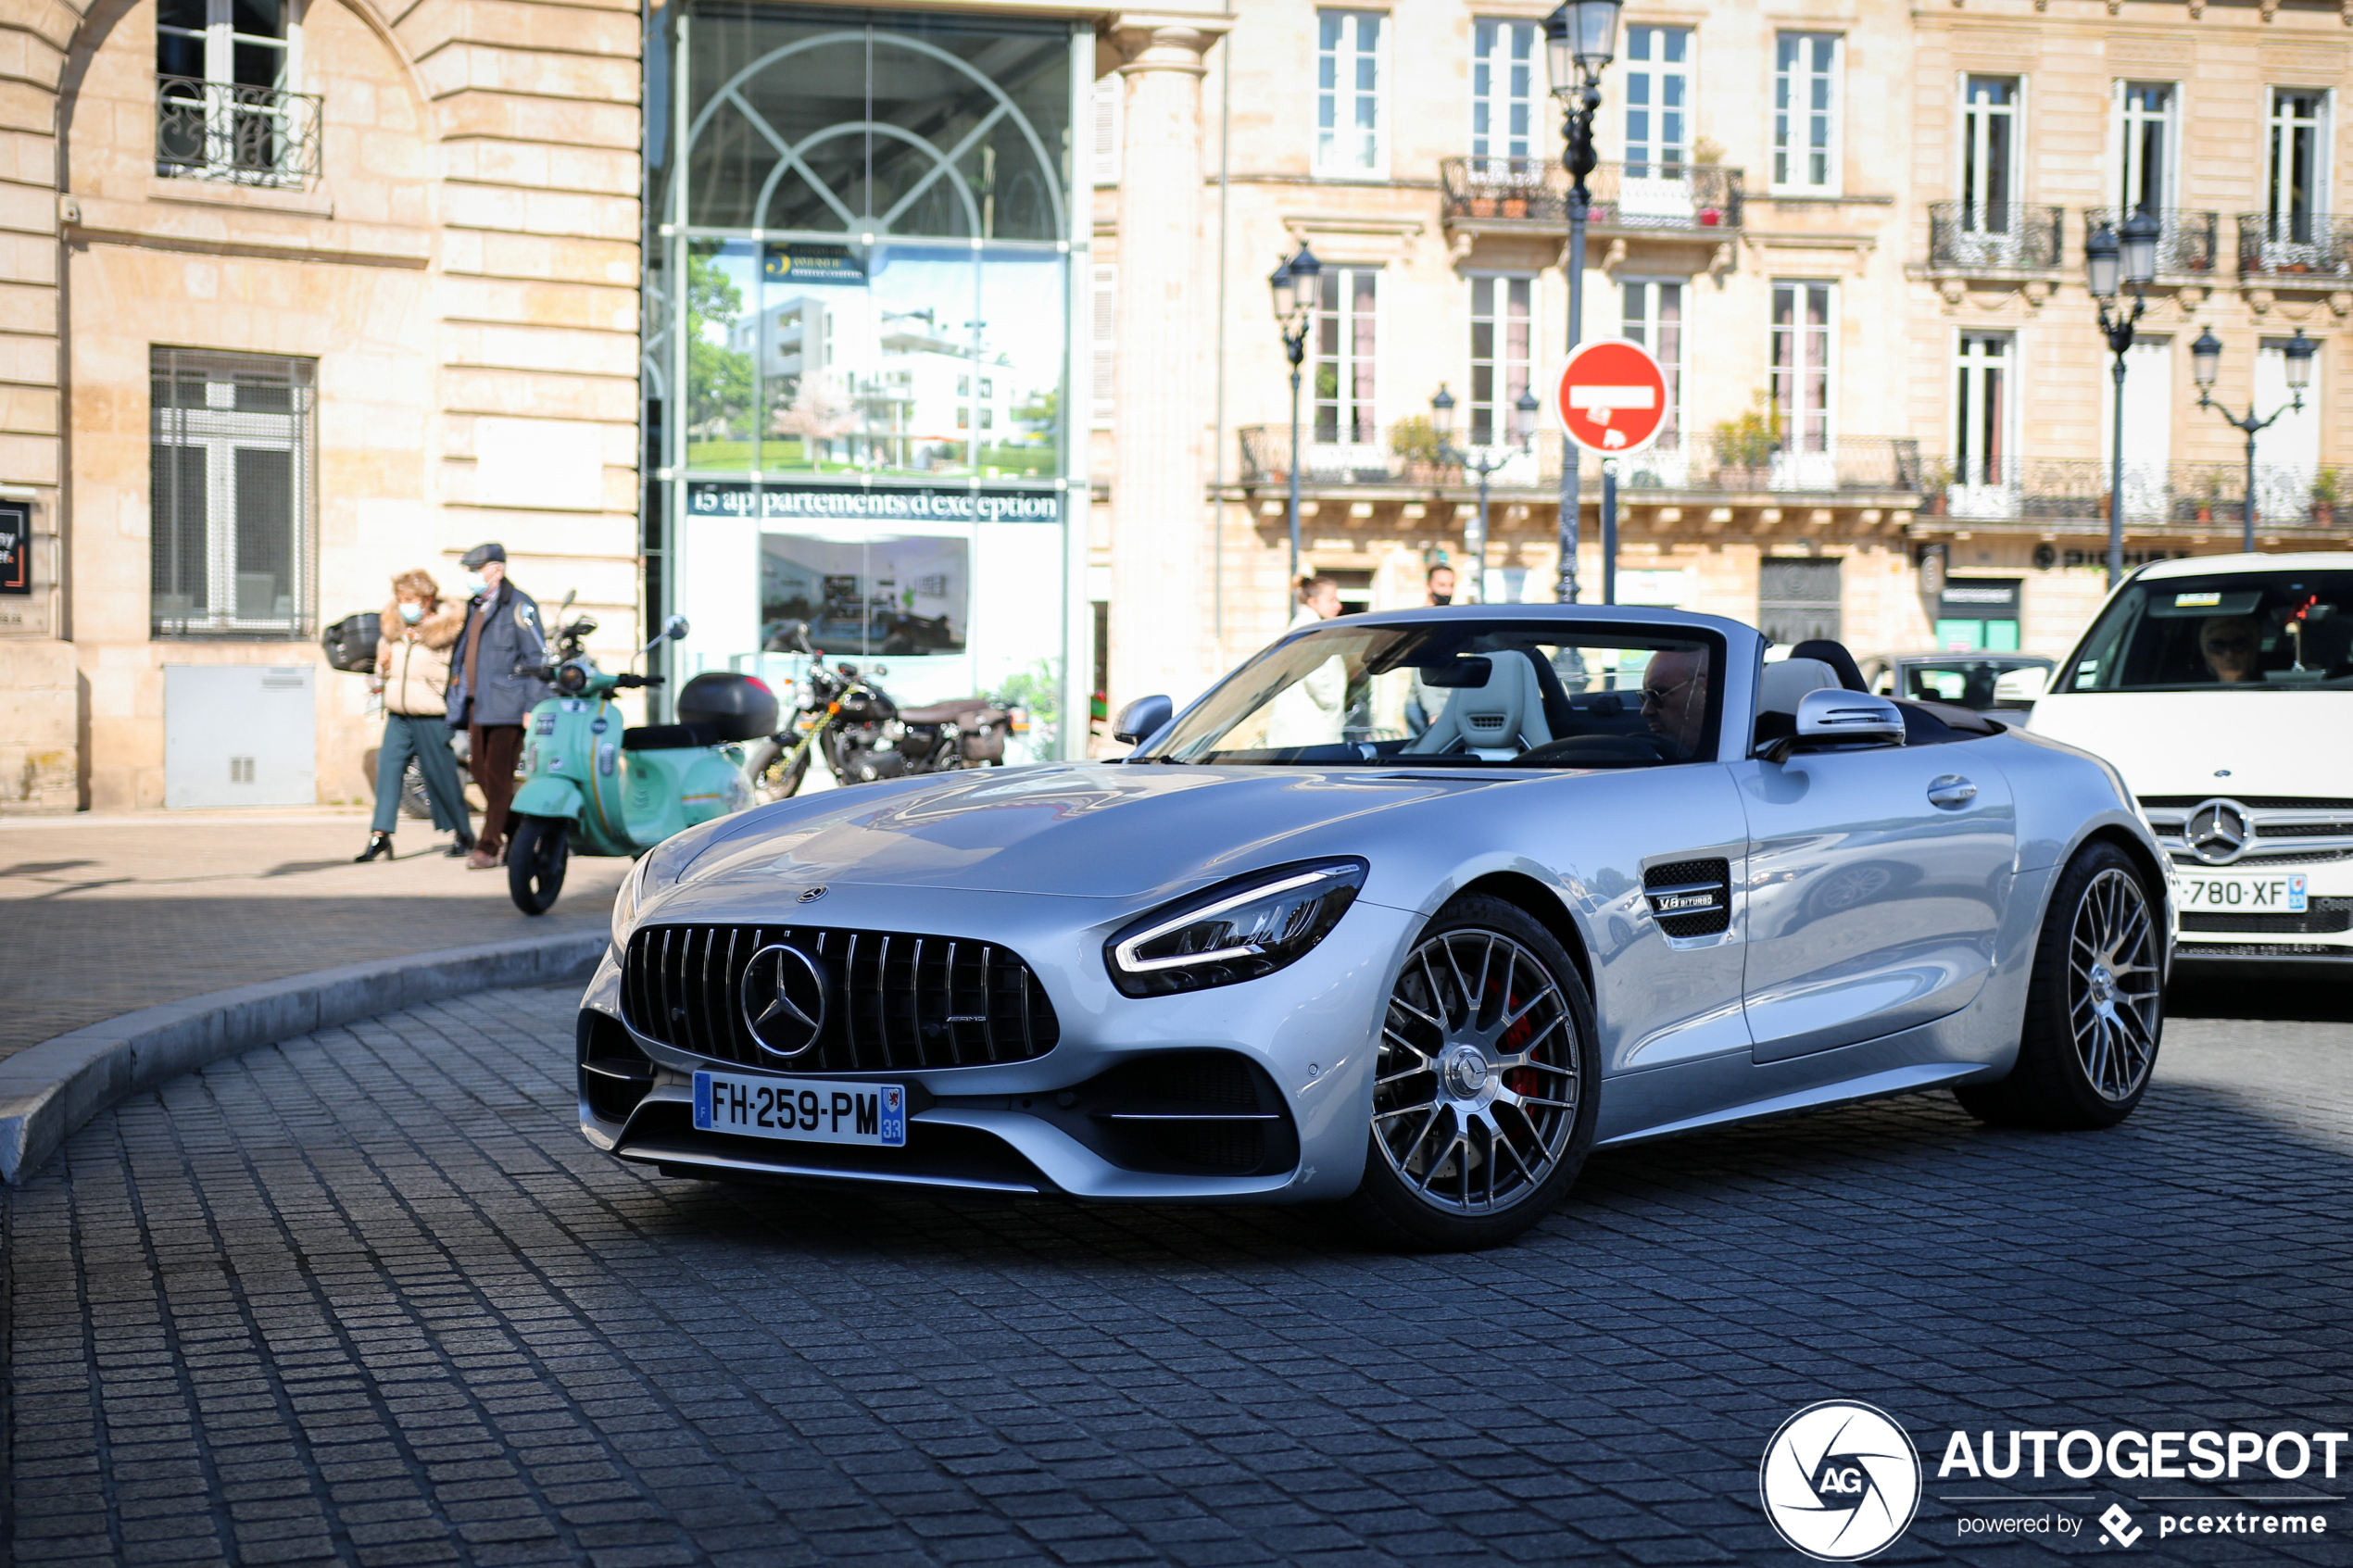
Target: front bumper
x,y
2323,932
1072,1121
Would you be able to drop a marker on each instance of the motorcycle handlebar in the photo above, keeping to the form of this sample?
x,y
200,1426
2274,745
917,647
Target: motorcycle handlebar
x,y
627,680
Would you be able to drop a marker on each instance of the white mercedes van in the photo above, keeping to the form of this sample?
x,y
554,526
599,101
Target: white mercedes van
x,y
2221,688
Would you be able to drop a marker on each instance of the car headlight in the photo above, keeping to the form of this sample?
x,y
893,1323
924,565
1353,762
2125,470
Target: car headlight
x,y
624,903
1236,931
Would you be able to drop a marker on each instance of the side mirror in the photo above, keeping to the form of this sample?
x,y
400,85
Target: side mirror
x,y
674,628
1831,716
1142,720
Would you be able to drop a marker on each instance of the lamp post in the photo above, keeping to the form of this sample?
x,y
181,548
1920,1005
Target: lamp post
x,y
1486,461
1293,285
1581,38
2206,362
2106,254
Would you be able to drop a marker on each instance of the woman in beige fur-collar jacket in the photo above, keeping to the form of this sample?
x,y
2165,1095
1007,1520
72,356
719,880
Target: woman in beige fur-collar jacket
x,y
413,640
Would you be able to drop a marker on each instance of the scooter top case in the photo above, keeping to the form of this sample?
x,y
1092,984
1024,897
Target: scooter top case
x,y
625,790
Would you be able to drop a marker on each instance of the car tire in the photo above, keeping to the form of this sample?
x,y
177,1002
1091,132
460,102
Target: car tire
x,y
2094,1007
538,848
1490,1032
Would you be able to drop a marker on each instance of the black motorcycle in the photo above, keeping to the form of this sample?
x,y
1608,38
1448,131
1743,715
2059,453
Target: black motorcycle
x,y
864,734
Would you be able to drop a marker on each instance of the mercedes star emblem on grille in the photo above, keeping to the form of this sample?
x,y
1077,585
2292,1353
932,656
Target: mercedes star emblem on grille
x,y
784,1000
2217,832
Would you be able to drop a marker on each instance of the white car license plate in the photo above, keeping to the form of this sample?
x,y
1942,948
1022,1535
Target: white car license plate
x,y
2282,893
804,1109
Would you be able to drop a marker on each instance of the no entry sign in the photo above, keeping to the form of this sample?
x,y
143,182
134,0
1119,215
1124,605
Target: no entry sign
x,y
1610,397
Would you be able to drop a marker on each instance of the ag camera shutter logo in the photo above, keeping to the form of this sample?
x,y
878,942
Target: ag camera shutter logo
x,y
1840,1481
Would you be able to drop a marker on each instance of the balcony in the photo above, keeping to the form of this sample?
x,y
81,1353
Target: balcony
x,y
2174,494
1650,199
1399,461
235,134
2295,247
2014,238
2186,244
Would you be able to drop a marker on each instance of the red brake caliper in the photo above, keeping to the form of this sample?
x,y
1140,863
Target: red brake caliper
x,y
1519,1079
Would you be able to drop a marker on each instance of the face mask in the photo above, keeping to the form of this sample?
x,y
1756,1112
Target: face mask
x,y
413,613
1442,599
475,583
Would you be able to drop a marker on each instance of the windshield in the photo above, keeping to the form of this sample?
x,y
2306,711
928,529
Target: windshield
x,y
2279,630
1464,694
1964,680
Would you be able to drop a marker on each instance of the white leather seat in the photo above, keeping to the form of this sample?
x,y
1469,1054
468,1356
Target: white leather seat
x,y
1497,721
1783,684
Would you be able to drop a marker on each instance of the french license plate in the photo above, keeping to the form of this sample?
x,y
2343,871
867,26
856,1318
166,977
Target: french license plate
x,y
2280,894
803,1109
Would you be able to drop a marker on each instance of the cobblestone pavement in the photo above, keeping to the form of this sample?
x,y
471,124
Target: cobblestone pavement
x,y
109,914
365,1297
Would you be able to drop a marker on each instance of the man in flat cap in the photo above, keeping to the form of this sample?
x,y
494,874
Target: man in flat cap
x,y
488,698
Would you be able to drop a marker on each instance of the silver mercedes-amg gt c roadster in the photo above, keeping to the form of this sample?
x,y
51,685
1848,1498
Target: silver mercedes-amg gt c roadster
x,y
1409,912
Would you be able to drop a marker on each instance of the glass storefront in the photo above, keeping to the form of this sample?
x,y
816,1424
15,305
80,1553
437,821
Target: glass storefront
x,y
859,309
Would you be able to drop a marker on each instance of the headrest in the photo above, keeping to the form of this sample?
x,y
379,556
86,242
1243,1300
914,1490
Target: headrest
x,y
1785,682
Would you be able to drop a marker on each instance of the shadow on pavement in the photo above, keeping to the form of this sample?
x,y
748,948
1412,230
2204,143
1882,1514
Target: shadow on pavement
x,y
2282,995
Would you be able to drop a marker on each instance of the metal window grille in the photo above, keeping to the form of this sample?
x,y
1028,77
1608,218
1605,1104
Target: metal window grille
x,y
230,131
232,496
1797,599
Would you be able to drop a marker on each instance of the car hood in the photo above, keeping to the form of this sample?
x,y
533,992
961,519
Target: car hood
x,y
1085,830
2271,742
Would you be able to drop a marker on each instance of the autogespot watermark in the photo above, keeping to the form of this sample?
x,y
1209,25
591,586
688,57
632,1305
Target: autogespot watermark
x,y
1841,1480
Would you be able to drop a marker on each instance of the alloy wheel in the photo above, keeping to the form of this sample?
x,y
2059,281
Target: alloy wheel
x,y
1476,1095
2112,984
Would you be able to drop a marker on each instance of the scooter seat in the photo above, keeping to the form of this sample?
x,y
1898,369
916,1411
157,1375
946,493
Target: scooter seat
x,y
942,712
667,737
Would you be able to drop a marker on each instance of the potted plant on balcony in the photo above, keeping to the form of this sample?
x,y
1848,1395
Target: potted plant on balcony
x,y
2324,498
1936,484
1744,446
2209,491
1414,442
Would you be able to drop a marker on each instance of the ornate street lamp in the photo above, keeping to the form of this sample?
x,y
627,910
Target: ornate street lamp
x,y
1483,461
1581,38
2105,256
1293,285
2205,363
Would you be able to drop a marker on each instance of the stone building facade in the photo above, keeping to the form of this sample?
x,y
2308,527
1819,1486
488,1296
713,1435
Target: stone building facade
x,y
944,329
1854,231
297,296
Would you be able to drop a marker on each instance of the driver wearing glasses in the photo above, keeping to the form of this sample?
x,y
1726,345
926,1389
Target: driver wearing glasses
x,y
1675,700
2230,644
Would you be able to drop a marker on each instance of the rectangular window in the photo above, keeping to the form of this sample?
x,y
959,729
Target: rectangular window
x,y
1103,108
1989,154
1658,101
224,104
1103,340
1502,334
231,512
1803,347
1652,315
1805,111
2145,144
1982,400
1352,136
1346,341
1505,58
2295,172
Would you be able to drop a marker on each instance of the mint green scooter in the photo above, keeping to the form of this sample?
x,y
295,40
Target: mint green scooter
x,y
595,787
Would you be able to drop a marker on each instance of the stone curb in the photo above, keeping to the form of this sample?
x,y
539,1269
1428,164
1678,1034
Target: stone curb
x,y
49,1090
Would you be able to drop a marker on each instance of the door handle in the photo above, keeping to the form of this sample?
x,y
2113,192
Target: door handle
x,y
1951,791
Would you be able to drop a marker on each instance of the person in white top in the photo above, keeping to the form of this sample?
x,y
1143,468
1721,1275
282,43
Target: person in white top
x,y
1310,710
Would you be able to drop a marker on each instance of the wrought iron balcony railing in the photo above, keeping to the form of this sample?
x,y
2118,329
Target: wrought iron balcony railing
x,y
1669,197
2295,244
2017,236
2177,493
241,135
1405,457
2186,240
